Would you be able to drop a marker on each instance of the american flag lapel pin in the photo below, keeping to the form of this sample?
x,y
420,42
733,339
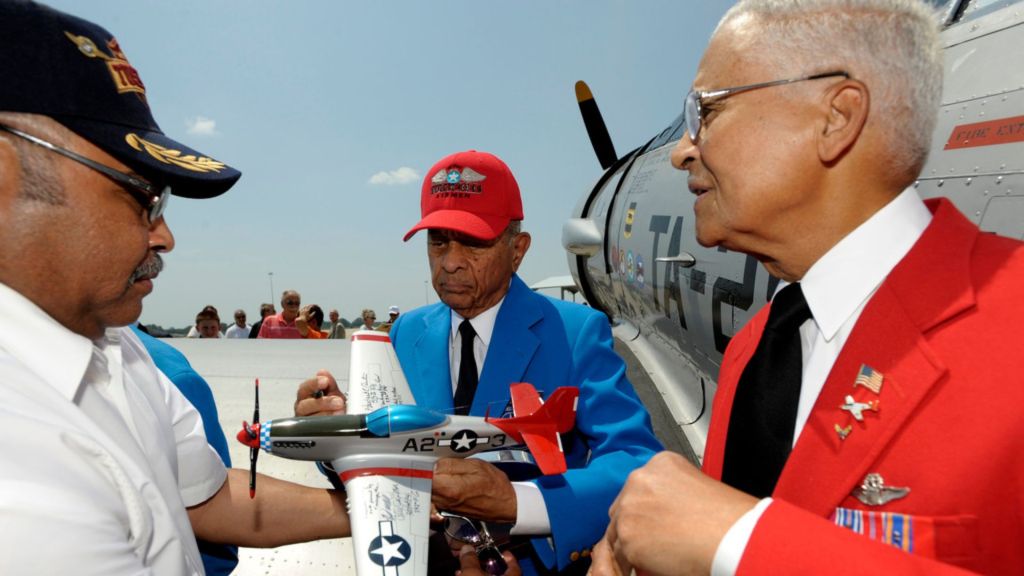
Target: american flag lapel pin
x,y
869,378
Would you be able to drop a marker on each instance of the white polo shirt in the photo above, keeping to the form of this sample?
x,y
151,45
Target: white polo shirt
x,y
96,465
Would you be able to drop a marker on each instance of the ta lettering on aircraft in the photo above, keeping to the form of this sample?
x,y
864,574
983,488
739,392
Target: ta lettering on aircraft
x,y
384,451
679,311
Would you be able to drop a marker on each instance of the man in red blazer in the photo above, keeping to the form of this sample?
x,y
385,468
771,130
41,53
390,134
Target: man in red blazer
x,y
906,448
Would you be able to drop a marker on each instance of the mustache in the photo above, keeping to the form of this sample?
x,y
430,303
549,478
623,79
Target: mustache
x,y
151,267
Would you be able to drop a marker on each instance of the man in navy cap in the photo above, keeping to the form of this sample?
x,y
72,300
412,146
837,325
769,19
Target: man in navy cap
x,y
104,467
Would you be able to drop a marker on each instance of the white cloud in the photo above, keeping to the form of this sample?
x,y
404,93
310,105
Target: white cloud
x,y
202,126
403,175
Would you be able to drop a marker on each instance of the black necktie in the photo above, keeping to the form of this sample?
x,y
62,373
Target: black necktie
x,y
468,376
764,410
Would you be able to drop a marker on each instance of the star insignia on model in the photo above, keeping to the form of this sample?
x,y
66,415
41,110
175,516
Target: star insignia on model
x,y
389,548
463,441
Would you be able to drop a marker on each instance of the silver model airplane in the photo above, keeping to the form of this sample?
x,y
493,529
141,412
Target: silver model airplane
x,y
676,304
384,451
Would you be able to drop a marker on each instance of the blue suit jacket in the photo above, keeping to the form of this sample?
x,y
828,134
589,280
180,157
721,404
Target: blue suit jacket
x,y
548,343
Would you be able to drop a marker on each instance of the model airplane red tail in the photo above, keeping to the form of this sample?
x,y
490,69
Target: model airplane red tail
x,y
538,424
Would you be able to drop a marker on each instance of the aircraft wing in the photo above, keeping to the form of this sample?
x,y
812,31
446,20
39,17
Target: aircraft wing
x,y
375,378
389,511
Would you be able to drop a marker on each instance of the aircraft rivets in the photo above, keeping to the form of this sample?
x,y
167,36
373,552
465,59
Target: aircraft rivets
x,y
999,180
968,183
941,182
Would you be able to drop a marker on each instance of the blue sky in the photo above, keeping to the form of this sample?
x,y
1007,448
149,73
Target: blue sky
x,y
334,110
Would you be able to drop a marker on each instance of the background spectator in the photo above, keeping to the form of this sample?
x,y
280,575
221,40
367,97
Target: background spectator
x,y
283,325
337,328
207,324
369,319
239,329
266,309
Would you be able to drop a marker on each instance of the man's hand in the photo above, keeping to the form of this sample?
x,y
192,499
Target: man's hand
x,y
319,396
475,489
470,564
668,519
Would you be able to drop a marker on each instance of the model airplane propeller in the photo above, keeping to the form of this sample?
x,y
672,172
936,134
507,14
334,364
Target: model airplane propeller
x,y
385,454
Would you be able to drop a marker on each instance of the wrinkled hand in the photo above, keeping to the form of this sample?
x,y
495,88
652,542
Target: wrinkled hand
x,y
332,402
470,564
668,519
473,488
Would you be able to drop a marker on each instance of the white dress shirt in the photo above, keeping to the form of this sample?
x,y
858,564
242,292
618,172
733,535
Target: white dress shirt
x,y
531,511
236,331
837,288
99,453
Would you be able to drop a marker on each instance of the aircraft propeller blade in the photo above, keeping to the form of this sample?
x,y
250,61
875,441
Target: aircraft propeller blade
x,y
594,122
254,451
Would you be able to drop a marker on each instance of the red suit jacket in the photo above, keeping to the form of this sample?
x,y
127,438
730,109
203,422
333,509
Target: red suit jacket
x,y
944,331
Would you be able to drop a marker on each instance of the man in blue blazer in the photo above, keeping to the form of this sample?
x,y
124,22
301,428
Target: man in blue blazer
x,y
472,210
489,331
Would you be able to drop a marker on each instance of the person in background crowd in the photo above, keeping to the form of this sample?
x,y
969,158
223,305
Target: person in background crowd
x,y
308,323
239,329
337,328
266,309
369,319
207,324
393,313
283,325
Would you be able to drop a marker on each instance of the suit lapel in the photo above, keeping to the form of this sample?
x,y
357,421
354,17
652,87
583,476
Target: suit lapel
x,y
433,388
512,346
929,286
823,469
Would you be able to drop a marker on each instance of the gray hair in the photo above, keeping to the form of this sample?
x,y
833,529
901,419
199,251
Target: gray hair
x,y
40,182
890,45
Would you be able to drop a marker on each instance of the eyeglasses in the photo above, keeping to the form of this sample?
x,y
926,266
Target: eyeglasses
x,y
146,194
291,302
693,111
466,530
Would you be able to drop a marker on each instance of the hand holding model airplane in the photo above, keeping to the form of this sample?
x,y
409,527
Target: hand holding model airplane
x,y
384,450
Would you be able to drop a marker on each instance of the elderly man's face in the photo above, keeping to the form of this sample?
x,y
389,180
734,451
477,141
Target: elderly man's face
x,y
240,320
334,315
753,166
290,305
471,275
89,261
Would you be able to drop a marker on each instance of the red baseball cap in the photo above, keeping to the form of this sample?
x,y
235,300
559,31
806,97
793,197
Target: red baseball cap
x,y
469,192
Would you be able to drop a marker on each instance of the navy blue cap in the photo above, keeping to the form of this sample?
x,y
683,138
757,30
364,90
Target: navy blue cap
x,y
74,71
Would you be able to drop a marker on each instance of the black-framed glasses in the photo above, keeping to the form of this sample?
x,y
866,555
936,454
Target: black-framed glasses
x,y
693,111
291,302
151,199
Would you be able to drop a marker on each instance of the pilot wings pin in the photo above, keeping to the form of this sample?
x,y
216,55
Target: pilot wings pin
x,y
874,492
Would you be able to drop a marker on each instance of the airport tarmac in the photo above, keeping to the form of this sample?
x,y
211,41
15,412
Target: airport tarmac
x,y
231,366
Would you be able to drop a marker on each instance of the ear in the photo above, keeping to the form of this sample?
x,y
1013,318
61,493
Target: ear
x,y
10,173
519,247
847,104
